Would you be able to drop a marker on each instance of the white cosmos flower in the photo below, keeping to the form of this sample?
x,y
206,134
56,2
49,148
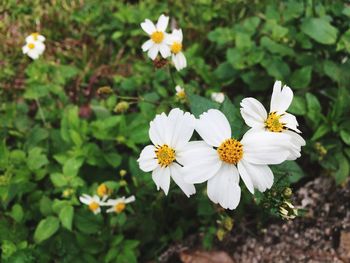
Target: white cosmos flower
x,y
118,205
221,160
35,37
175,43
278,120
33,49
158,37
170,136
218,97
93,202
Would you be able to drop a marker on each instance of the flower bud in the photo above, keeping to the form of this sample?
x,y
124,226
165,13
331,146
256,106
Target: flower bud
x,y
121,107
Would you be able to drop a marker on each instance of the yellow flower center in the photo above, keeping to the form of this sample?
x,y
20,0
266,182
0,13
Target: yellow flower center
x,y
157,37
102,190
93,206
35,35
181,94
230,151
31,45
119,207
176,47
165,155
273,122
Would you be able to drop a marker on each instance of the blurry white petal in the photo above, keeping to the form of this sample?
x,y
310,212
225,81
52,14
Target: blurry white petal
x,y
223,187
213,127
162,23
253,112
281,98
290,121
161,177
129,199
164,50
153,52
147,45
148,26
218,97
178,178
147,160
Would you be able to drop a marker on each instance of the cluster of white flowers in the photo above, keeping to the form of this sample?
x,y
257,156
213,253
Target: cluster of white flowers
x,y
162,42
34,46
97,201
220,159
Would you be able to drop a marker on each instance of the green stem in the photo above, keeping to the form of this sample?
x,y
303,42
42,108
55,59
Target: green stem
x,y
41,112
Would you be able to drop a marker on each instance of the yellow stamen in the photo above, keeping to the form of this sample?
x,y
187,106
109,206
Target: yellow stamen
x,y
230,151
181,94
119,207
93,206
31,45
102,190
157,37
176,47
165,155
35,35
273,122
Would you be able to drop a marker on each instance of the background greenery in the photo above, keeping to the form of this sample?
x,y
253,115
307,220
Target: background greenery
x,y
50,155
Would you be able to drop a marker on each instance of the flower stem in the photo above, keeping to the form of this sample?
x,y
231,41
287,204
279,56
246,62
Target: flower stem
x,y
41,112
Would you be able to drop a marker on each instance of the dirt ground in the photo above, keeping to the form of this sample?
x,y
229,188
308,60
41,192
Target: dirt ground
x,y
321,235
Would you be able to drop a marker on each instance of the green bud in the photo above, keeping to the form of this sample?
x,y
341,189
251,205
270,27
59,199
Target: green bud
x,y
121,107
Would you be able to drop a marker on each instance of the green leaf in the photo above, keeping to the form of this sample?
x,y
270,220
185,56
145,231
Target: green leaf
x,y
36,159
313,109
320,30
345,136
17,213
275,47
58,179
343,170
298,106
321,131
72,166
46,228
301,78
234,117
113,159
200,104
66,216
292,169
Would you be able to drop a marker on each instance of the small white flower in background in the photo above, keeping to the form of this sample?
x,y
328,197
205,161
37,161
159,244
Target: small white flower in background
x,y
170,136
118,205
218,97
35,37
158,37
34,48
222,160
175,43
180,92
93,202
278,120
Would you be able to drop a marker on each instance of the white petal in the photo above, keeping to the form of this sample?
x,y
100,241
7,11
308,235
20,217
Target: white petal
x,y
200,162
253,112
280,99
266,147
153,52
85,199
297,142
159,131
97,211
40,47
41,38
178,178
162,23
164,50
179,61
181,128
178,35
33,54
261,175
147,160
290,121
147,45
213,127
161,177
223,188
176,62
245,176
25,49
148,26
130,199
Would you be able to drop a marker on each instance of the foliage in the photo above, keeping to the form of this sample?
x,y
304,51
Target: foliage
x,y
60,136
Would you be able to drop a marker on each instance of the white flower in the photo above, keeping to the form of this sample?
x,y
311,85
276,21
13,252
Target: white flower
x,y
218,97
180,92
221,160
278,120
175,43
159,38
93,202
35,37
118,205
170,136
33,49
